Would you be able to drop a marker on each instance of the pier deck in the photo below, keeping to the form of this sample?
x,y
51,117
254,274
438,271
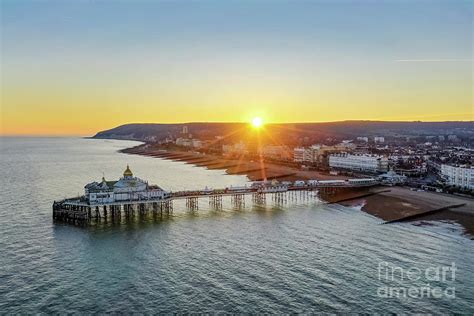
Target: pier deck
x,y
79,210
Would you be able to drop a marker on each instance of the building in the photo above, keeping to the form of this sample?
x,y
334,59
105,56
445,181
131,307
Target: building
x,y
185,142
307,155
379,139
363,139
317,154
298,154
365,162
276,152
302,155
127,188
196,143
392,178
189,142
460,176
237,149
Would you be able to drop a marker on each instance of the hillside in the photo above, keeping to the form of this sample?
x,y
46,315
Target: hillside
x,y
344,129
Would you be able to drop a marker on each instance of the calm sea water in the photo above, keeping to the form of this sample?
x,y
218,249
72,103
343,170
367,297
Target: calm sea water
x,y
305,257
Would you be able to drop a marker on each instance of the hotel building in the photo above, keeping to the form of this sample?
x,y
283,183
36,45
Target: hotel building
x,y
366,163
459,176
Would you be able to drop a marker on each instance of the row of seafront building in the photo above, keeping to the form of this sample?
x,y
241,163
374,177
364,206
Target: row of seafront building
x,y
362,163
339,157
375,155
458,175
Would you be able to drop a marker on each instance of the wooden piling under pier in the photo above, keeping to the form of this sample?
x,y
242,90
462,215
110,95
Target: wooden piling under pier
x,y
80,214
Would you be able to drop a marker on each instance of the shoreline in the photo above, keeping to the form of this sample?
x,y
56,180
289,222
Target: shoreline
x,y
386,203
252,169
399,203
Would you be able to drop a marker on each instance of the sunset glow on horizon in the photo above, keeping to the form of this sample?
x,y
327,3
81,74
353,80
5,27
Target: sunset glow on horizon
x,y
77,68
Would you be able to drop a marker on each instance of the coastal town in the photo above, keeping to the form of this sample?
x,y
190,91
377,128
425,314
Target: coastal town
x,y
427,174
439,163
420,171
246,157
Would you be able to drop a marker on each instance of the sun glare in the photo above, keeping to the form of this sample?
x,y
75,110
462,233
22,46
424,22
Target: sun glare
x,y
257,122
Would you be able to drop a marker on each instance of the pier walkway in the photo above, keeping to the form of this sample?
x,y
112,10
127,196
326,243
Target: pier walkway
x,y
79,209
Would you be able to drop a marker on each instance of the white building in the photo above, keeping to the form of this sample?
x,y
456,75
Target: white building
x,y
379,139
127,188
235,149
276,152
197,143
185,142
301,154
363,139
189,142
392,178
317,152
368,163
460,176
345,144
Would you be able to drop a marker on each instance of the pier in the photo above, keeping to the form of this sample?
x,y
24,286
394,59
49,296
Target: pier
x,y
83,209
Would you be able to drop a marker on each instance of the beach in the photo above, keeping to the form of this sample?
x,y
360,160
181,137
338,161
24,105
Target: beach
x,y
400,202
397,204
254,170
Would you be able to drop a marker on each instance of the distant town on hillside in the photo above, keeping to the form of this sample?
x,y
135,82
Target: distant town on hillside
x,y
302,134
436,156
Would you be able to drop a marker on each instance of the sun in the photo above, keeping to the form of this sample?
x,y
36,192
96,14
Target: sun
x,y
257,122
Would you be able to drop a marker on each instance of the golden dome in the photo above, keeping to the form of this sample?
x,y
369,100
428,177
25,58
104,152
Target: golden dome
x,y
128,172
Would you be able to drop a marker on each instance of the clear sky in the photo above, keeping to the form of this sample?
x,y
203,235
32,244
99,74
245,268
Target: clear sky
x,y
77,67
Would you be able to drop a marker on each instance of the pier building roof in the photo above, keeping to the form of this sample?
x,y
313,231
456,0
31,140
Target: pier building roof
x,y
128,172
100,186
127,183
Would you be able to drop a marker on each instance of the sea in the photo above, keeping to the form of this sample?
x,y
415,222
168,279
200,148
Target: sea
x,y
305,256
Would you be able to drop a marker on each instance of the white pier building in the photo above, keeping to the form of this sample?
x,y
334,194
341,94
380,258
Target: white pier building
x,y
127,188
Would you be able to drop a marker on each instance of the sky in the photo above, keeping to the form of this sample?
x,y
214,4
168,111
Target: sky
x,y
80,66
